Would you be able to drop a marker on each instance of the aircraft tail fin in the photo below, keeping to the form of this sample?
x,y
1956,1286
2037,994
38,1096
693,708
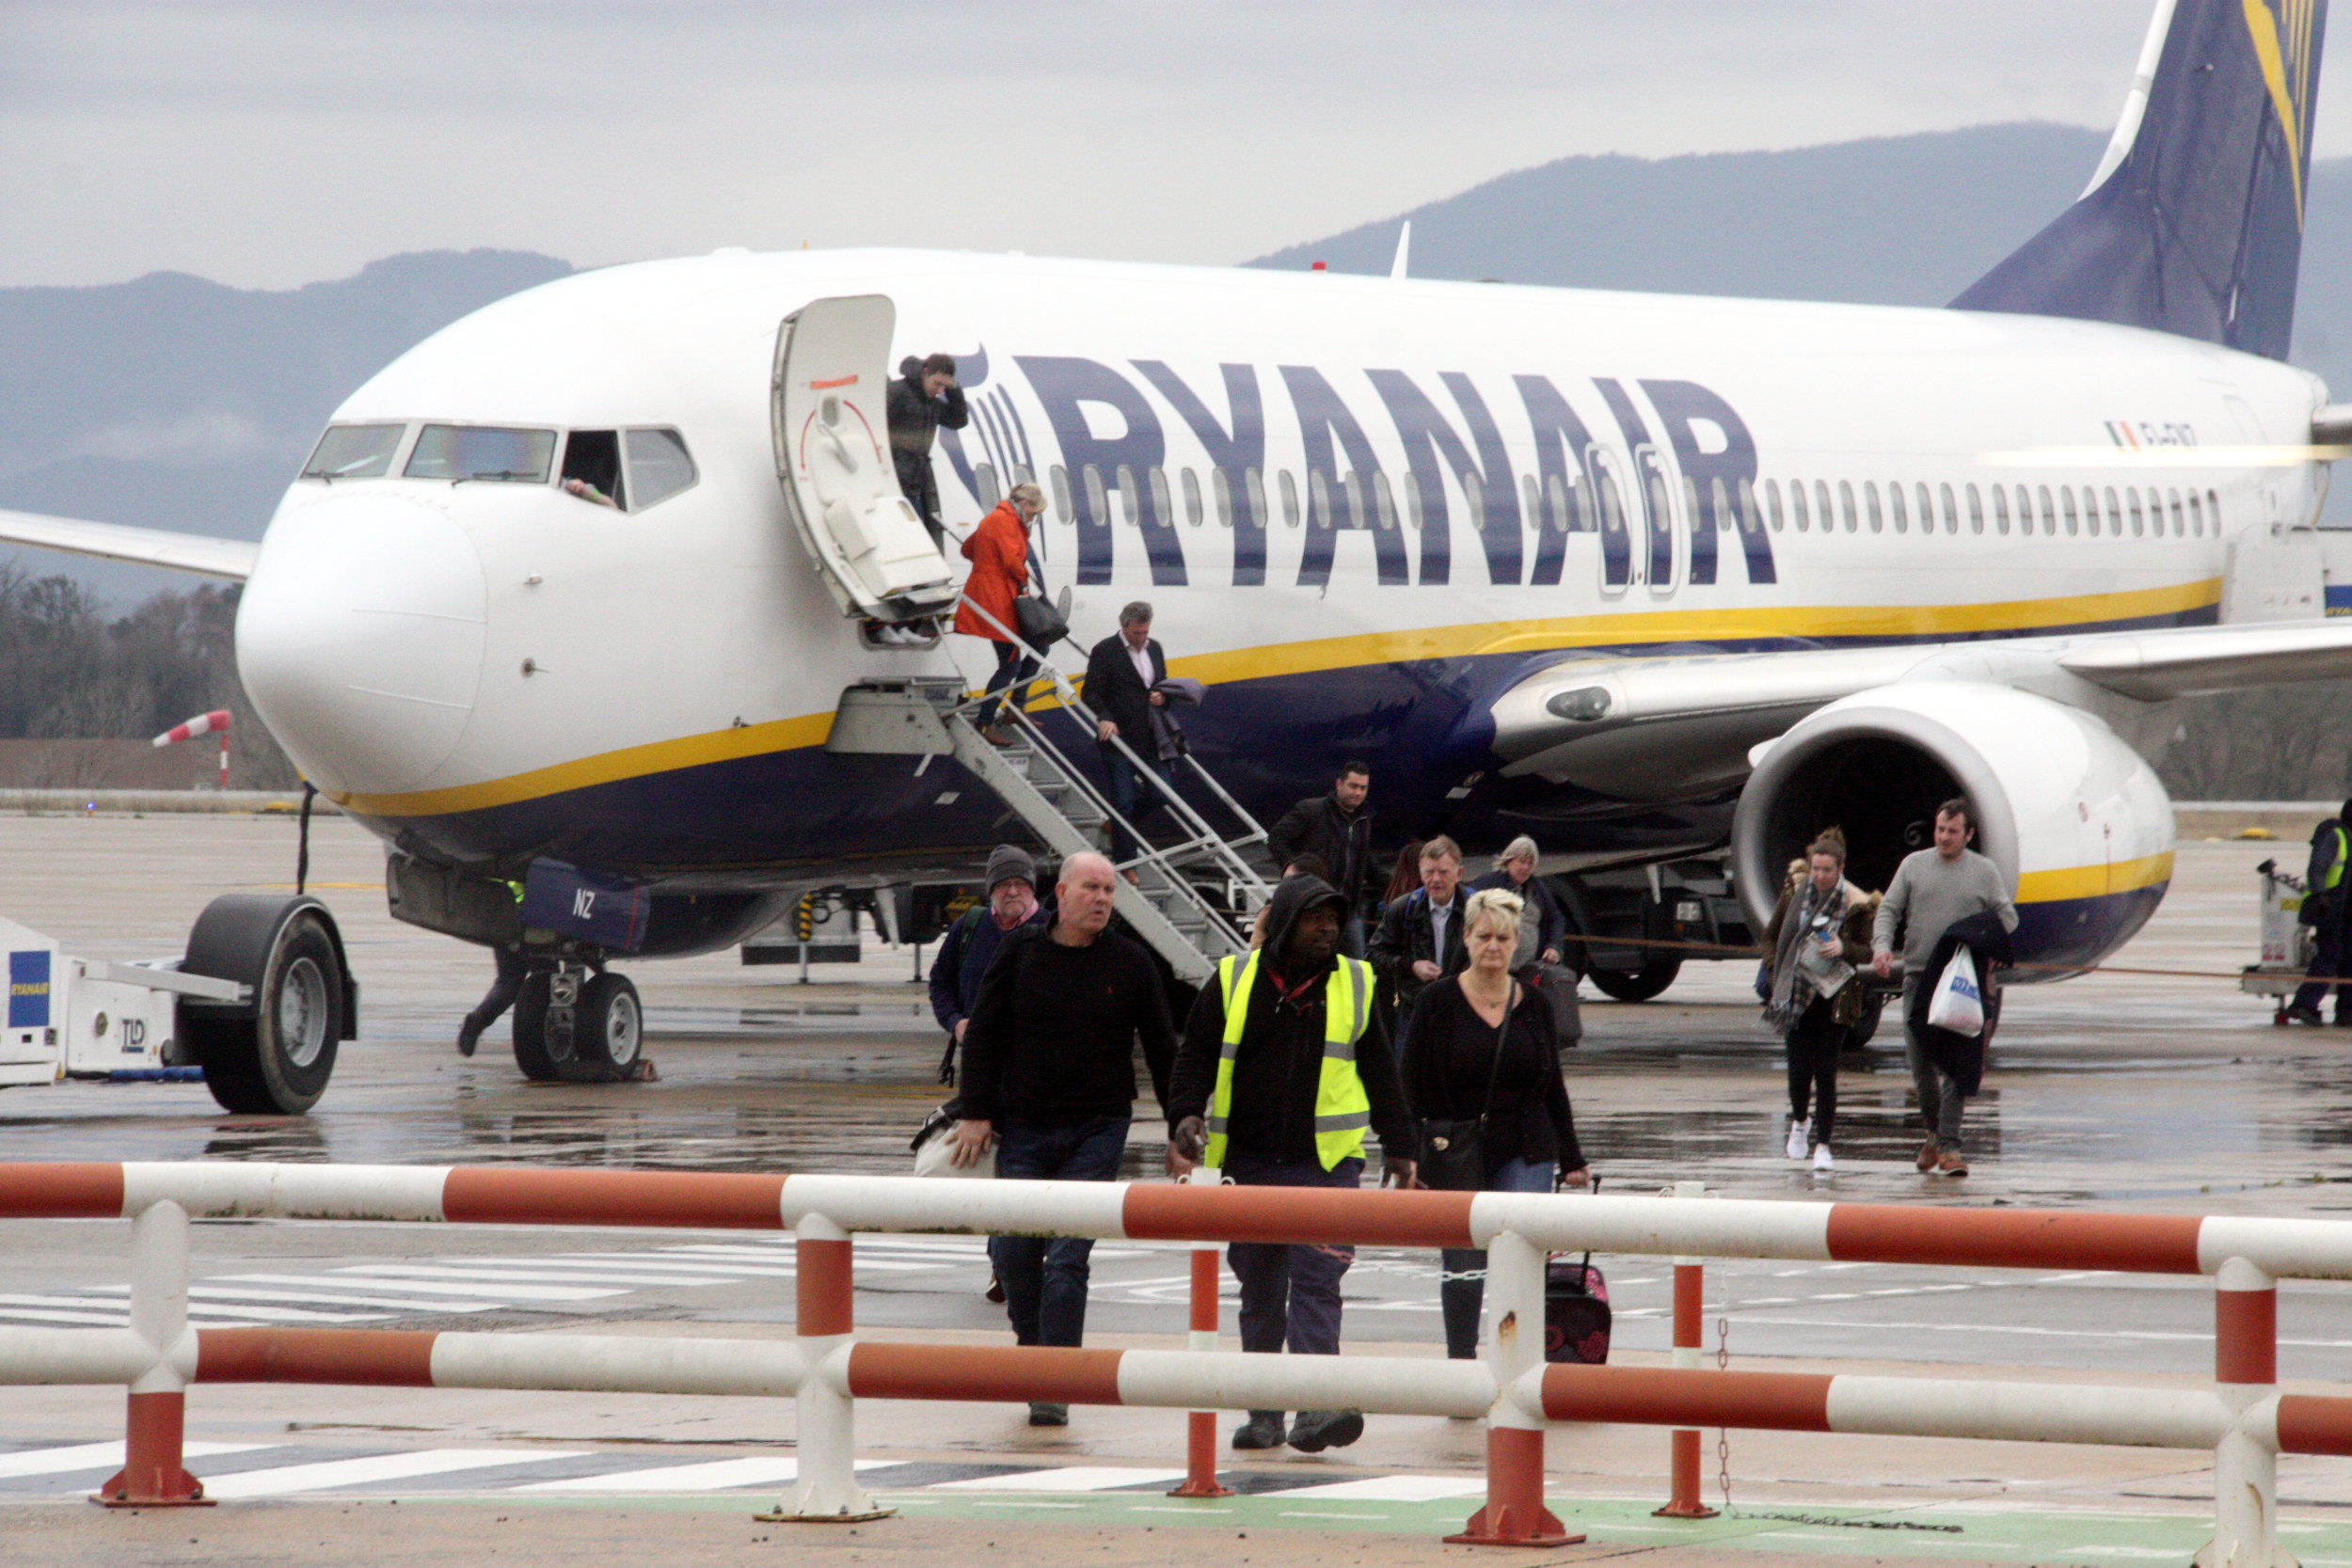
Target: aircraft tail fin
x,y
2193,223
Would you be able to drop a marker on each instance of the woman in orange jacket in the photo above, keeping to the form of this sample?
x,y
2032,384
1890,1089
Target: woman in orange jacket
x,y
1000,552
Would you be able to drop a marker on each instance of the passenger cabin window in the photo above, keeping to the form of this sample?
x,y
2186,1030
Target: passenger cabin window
x,y
458,453
1772,503
1098,499
1845,496
1352,486
1474,499
1383,501
1290,500
659,465
1413,516
1796,504
2115,514
984,486
1951,509
1255,493
1128,504
1319,500
592,466
1870,503
1193,510
1060,478
2174,496
1530,502
2195,516
1221,491
1926,509
1976,510
2138,521
1895,505
354,451
1161,508
2000,509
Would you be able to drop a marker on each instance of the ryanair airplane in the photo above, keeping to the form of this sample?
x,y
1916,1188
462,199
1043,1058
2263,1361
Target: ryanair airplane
x,y
1642,576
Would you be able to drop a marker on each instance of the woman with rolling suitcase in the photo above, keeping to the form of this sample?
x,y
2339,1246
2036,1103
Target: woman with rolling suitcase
x,y
1483,1075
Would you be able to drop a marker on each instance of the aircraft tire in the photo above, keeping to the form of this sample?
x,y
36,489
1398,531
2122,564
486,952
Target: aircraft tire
x,y
530,1030
277,1062
1636,985
610,1032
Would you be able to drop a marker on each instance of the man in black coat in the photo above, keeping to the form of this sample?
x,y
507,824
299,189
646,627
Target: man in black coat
x,y
1122,675
923,397
1336,829
1419,939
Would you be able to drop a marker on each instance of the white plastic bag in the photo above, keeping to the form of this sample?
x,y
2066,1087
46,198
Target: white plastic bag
x,y
1956,1003
936,1157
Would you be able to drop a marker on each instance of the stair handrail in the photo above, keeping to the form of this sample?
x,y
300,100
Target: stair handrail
x,y
1205,834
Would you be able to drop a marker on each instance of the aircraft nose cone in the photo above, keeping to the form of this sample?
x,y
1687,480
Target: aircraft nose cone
x,y
359,638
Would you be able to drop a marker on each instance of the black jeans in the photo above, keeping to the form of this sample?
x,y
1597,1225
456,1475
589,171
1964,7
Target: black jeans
x,y
1045,1277
1131,795
2327,958
1010,683
1290,1294
1814,1042
503,991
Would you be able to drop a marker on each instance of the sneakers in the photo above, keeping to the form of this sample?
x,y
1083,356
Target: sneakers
x,y
1951,1164
1928,1156
1263,1430
1822,1159
1799,1137
1317,1429
1045,1412
2302,1015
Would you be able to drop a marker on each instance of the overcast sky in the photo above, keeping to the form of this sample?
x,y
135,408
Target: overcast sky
x,y
270,144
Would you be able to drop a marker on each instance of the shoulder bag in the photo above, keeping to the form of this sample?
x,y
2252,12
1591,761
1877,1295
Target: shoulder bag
x,y
1453,1149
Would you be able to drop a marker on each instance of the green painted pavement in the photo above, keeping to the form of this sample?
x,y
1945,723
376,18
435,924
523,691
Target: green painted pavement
x,y
1953,1531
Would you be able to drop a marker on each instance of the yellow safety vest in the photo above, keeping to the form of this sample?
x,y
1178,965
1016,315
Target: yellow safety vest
x,y
1342,1110
2335,868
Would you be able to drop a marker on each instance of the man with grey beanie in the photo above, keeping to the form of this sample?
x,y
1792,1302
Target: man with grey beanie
x,y
974,939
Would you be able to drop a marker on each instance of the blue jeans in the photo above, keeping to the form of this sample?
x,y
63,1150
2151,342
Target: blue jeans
x,y
1130,796
1045,1277
1462,1282
1290,1294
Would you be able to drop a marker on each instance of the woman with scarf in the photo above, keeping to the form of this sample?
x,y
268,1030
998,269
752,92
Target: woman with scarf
x,y
1819,937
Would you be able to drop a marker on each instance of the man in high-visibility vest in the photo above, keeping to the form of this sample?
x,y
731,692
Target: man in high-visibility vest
x,y
1285,1066
2324,910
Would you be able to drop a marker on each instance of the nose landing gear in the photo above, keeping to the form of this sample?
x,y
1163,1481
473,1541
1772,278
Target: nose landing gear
x,y
577,1026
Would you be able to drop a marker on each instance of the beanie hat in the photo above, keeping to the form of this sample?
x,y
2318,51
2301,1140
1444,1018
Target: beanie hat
x,y
1007,861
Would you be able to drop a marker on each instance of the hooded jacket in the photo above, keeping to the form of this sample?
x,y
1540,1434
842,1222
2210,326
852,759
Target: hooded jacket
x,y
1279,1065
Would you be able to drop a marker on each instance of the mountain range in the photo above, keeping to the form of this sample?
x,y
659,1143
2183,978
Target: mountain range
x,y
171,401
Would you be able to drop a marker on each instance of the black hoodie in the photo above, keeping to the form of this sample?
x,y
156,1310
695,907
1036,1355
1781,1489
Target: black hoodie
x,y
1278,1065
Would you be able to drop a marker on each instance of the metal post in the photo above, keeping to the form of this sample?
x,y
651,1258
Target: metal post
x,y
2245,1373
1682,1501
826,1490
1515,1515
152,1475
1200,1425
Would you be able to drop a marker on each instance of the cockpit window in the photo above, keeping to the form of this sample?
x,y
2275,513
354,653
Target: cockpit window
x,y
354,451
464,451
658,466
592,468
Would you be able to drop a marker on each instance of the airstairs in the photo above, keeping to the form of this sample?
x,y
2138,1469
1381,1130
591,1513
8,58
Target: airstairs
x,y
1193,900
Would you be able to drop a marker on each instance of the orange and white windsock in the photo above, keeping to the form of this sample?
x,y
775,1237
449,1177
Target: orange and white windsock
x,y
214,723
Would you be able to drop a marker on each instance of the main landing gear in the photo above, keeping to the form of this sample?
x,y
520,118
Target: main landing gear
x,y
577,1025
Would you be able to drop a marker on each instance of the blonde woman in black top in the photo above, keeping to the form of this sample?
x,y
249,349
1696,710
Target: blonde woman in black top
x,y
1478,1052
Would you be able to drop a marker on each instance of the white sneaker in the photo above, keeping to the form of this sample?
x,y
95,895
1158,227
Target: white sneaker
x,y
1800,1138
1822,1160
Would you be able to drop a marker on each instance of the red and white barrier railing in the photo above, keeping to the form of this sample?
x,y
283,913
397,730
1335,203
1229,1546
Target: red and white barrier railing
x,y
2243,1418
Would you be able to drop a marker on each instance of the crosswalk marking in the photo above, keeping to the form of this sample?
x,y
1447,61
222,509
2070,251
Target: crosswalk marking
x,y
1074,1478
404,1272
281,1479
1396,1489
99,1456
710,1475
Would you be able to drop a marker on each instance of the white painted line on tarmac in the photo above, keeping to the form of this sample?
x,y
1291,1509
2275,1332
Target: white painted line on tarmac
x,y
1075,1478
1396,1489
436,1288
402,1274
220,1293
100,1456
105,1320
2204,1336
360,1472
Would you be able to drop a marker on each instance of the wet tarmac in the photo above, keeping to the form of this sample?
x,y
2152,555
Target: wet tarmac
x,y
2167,1092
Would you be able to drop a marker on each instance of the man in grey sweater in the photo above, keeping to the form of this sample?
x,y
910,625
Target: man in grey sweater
x,y
1932,888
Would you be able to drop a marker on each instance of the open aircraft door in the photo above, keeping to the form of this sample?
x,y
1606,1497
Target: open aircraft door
x,y
828,402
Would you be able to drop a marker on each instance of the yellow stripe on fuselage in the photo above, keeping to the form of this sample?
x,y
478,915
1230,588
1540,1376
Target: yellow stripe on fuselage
x,y
1320,655
2094,882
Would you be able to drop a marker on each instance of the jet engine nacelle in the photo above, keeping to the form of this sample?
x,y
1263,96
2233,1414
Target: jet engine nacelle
x,y
2074,819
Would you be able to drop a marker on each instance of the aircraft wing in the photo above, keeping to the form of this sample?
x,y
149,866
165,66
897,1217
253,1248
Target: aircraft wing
x,y
1667,728
149,546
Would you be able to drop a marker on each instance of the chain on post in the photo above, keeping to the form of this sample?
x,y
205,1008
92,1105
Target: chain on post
x,y
1722,1434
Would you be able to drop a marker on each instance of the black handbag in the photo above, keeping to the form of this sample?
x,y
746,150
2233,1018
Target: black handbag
x,y
1453,1149
1041,622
